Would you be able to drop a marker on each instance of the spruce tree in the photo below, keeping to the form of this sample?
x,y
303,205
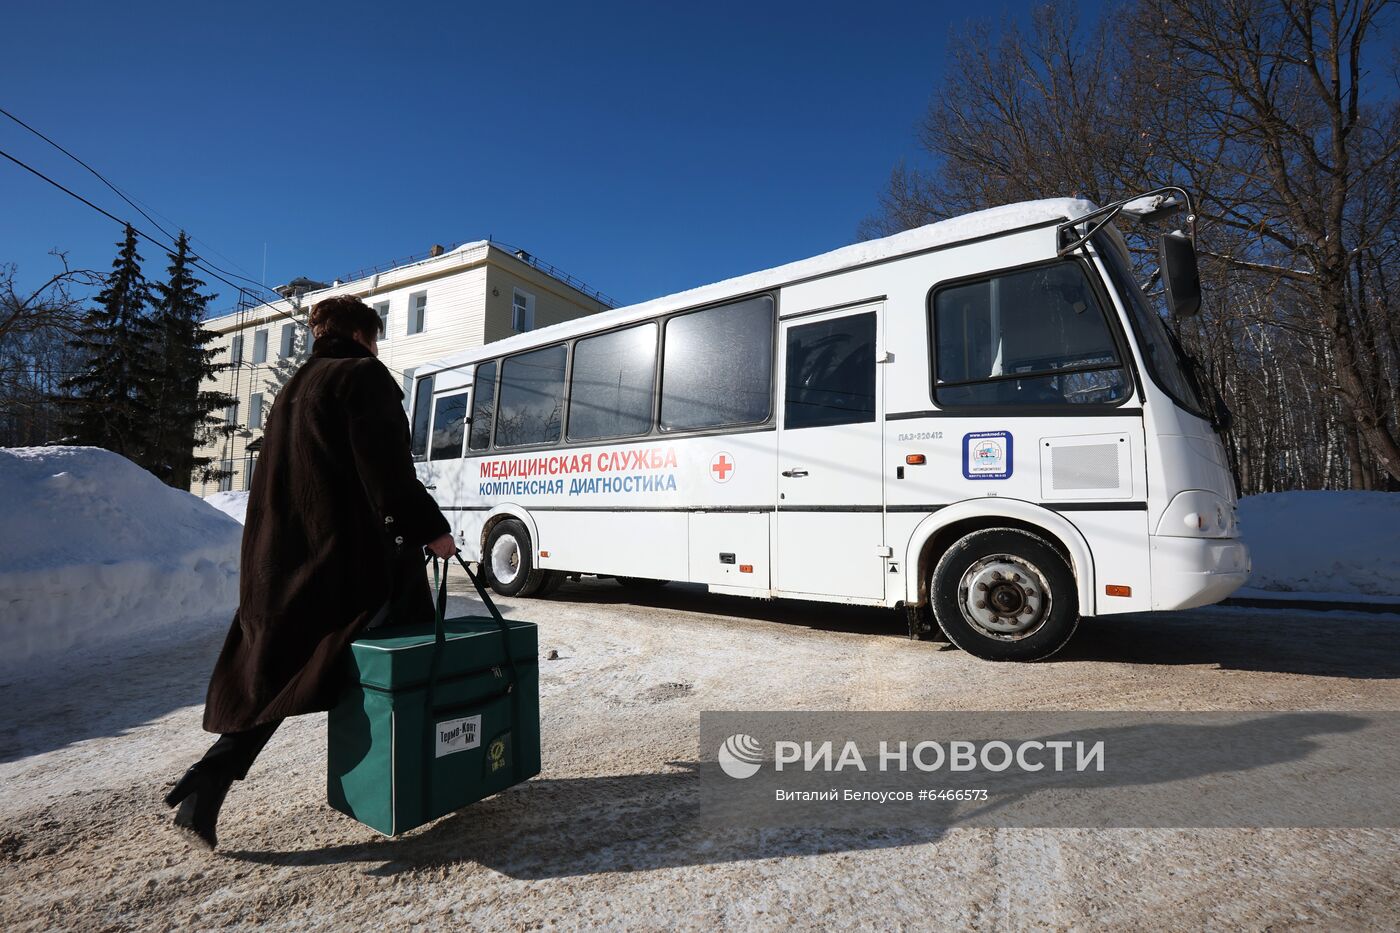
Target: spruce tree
x,y
108,403
181,415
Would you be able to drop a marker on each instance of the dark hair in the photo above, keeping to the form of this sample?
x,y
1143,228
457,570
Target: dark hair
x,y
345,316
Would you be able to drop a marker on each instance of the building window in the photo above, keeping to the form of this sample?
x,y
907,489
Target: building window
x,y
382,309
255,410
225,475
285,350
522,316
231,413
417,312
260,347
717,366
236,354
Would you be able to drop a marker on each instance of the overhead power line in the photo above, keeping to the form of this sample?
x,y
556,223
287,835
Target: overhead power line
x,y
121,194
194,261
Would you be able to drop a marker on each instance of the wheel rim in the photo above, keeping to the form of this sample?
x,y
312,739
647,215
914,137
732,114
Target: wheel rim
x,y
1004,597
505,559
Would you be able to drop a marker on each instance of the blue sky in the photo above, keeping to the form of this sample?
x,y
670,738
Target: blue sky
x,y
645,147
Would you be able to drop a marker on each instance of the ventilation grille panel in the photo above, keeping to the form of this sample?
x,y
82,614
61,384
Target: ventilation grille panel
x,y
1086,466
1093,466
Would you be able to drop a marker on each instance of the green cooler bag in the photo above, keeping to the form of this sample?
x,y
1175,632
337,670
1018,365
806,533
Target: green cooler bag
x,y
435,717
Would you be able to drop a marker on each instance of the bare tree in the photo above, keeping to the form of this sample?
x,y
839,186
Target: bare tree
x,y
35,328
1289,152
1265,109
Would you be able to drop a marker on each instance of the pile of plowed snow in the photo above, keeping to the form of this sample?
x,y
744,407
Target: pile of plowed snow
x,y
1324,542
94,549
232,504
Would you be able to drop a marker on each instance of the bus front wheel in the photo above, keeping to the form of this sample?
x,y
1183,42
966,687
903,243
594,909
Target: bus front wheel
x,y
510,560
1004,594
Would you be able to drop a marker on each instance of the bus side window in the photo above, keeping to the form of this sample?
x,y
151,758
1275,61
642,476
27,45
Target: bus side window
x,y
483,406
422,409
717,366
610,389
532,398
449,424
1036,336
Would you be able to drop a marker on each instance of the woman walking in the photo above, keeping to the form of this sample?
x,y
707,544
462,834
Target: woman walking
x,y
332,544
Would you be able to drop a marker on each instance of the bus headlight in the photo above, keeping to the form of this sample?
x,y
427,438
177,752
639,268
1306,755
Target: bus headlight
x,y
1197,513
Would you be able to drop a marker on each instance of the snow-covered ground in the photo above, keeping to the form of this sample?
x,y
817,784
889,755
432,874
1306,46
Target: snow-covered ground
x,y
95,550
607,836
1318,544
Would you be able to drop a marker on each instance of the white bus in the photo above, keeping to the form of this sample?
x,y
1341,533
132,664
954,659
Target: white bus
x,y
982,421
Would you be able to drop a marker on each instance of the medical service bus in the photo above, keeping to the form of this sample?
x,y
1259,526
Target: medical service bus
x,y
982,421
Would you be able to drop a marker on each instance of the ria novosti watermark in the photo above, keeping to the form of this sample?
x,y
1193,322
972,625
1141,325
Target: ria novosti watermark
x,y
1051,769
927,756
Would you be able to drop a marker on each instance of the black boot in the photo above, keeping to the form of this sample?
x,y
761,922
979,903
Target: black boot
x,y
199,796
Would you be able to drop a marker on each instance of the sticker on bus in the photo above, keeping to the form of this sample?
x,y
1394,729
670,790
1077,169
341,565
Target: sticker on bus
x,y
987,455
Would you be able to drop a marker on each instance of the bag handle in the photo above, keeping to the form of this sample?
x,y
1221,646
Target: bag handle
x,y
440,644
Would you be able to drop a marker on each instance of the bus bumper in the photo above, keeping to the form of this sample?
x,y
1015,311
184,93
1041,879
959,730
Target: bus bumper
x,y
1191,572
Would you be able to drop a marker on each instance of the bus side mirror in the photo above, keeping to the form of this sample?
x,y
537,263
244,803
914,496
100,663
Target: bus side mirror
x,y
1177,255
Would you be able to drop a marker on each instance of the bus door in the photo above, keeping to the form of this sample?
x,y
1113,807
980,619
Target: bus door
x,y
830,509
445,475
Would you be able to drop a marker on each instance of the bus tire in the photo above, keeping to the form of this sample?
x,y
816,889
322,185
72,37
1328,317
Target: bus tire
x,y
509,560
553,579
641,584
1004,594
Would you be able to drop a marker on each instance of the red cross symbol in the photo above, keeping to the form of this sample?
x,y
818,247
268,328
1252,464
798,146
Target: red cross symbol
x,y
721,467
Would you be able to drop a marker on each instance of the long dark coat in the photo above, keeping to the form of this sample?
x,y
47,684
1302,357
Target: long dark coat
x,y
333,490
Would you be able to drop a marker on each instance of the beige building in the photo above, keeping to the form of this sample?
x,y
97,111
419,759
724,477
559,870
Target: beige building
x,y
448,301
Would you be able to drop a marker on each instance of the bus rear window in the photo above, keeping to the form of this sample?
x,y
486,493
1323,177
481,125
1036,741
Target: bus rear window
x,y
717,366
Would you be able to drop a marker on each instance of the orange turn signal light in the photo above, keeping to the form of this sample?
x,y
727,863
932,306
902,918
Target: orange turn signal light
x,y
544,553
915,459
1113,589
746,568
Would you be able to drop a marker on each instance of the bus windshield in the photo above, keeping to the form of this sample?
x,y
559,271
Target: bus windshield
x,y
1167,368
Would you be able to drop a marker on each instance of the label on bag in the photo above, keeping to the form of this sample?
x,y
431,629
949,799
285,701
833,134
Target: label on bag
x,y
458,735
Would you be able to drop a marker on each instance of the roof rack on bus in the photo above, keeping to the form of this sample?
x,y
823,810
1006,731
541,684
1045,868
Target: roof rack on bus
x,y
1150,205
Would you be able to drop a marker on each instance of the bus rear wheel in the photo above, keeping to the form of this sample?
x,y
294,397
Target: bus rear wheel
x,y
1004,594
509,560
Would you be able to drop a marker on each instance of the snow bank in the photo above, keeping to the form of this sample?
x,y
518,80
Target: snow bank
x,y
93,549
1323,542
232,504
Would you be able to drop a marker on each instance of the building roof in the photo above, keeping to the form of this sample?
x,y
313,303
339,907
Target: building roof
x,y
392,275
943,233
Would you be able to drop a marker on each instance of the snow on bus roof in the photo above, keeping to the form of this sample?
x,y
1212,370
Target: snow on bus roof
x,y
965,227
